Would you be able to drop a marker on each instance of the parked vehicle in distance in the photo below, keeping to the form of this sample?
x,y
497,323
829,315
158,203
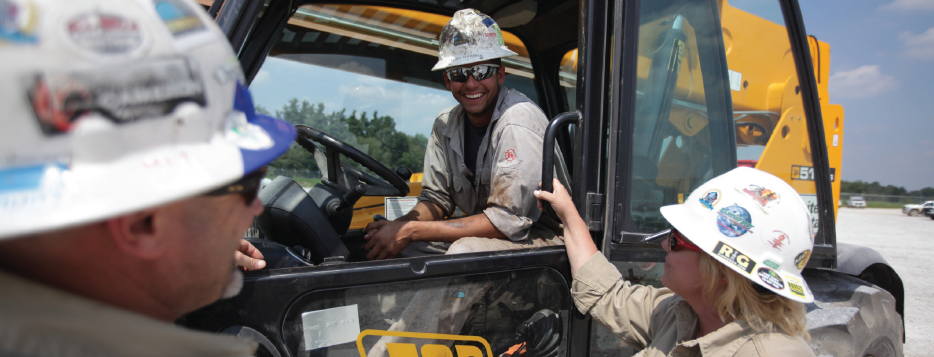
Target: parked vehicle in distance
x,y
914,210
929,212
856,202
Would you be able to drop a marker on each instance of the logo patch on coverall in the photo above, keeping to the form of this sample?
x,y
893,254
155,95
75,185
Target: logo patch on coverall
x,y
510,155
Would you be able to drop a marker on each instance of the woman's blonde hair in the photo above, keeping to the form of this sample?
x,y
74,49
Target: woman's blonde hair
x,y
738,299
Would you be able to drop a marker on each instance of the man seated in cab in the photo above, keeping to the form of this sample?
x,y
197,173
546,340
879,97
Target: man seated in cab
x,y
484,157
124,195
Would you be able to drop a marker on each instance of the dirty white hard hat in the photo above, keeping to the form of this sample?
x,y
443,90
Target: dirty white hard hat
x,y
113,106
755,224
470,37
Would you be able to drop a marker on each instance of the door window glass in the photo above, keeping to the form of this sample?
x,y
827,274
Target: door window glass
x,y
474,312
681,132
771,127
362,74
567,77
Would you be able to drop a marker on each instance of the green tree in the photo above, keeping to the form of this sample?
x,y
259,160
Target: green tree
x,y
376,136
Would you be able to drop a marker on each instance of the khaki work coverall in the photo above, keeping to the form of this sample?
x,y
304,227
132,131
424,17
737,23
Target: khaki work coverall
x,y
509,165
662,323
509,162
38,320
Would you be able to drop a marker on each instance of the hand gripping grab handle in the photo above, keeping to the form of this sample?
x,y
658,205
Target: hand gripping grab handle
x,y
548,157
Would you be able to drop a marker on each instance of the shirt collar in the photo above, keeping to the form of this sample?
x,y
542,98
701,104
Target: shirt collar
x,y
725,341
457,114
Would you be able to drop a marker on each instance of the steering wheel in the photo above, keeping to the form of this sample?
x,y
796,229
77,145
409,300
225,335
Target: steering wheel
x,y
387,182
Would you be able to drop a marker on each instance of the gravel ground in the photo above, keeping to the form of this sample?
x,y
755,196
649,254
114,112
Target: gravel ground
x,y
904,242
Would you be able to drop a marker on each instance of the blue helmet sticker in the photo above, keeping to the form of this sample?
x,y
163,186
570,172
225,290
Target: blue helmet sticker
x,y
710,198
734,221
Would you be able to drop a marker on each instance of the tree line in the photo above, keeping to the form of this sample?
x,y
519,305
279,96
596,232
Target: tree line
x,y
375,135
875,188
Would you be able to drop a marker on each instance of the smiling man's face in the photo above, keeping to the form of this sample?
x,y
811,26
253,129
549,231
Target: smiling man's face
x,y
478,98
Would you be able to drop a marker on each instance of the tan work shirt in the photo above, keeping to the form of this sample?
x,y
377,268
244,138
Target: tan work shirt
x,y
38,320
662,323
509,162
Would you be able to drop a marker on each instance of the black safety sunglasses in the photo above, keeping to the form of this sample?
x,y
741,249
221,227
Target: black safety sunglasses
x,y
248,186
479,72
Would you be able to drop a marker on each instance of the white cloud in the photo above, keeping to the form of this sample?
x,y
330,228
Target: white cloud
x,y
262,77
909,5
865,81
920,45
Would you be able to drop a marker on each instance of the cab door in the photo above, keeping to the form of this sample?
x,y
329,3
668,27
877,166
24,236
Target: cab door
x,y
362,74
700,86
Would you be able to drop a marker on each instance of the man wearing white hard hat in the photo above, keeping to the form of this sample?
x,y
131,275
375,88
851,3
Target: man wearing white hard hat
x,y
733,284
484,157
130,161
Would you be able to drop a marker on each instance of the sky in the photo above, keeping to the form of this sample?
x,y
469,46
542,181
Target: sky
x,y
414,108
882,73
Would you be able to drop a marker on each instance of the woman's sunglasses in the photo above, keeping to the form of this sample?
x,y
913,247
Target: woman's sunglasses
x,y
677,241
479,72
248,186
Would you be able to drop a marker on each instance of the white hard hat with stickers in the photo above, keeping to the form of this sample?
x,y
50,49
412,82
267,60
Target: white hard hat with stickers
x,y
470,37
755,224
113,106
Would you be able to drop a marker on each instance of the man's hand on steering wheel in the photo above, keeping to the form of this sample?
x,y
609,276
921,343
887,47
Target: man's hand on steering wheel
x,y
385,239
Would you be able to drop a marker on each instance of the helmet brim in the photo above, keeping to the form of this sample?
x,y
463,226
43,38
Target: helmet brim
x,y
700,234
450,61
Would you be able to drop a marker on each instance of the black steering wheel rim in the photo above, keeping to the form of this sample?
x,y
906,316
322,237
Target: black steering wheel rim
x,y
391,179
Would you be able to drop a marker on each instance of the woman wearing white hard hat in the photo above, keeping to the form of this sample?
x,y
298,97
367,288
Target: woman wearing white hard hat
x,y
733,284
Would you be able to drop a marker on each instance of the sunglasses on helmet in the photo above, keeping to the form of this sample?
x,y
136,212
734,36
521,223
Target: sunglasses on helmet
x,y
479,72
248,186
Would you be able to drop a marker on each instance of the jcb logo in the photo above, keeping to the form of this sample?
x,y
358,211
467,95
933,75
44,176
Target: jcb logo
x,y
428,350
734,256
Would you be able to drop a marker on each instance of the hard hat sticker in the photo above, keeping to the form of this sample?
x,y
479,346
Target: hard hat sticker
x,y
105,34
229,72
144,90
711,198
17,22
801,259
761,195
734,256
179,18
31,189
771,278
329,327
771,264
22,178
244,134
795,286
777,241
734,221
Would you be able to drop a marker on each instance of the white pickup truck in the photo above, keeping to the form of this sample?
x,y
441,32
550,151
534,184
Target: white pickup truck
x,y
914,210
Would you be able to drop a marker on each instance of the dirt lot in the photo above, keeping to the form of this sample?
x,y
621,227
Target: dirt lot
x,y
907,243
